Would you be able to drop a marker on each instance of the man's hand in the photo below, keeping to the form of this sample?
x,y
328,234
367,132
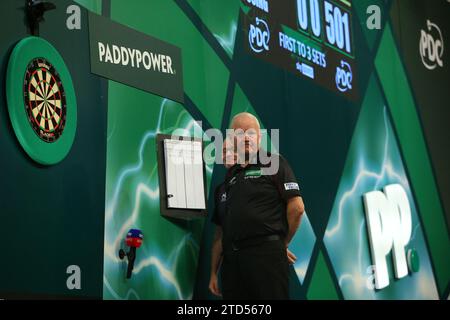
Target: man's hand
x,y
214,285
291,257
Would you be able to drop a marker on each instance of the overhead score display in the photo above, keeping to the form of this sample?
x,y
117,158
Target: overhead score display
x,y
311,38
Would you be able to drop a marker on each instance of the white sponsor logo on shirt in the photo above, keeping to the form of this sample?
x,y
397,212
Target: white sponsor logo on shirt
x,y
291,186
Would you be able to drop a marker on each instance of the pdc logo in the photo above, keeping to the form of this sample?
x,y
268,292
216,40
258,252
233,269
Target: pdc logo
x,y
344,77
431,46
388,216
259,36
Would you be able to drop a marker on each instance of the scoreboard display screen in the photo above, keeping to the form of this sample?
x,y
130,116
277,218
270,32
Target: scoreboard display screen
x,y
310,38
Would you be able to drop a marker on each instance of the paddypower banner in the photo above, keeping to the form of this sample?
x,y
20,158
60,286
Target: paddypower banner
x,y
136,59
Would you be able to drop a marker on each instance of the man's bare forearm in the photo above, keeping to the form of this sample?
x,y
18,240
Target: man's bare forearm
x,y
216,251
295,209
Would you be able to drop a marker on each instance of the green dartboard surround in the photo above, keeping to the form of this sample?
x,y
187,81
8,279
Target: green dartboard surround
x,y
41,100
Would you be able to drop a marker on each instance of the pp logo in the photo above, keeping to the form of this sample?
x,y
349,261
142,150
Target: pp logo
x,y
431,46
388,218
344,77
259,36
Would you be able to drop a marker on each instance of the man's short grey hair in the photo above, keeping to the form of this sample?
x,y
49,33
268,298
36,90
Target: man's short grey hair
x,y
244,114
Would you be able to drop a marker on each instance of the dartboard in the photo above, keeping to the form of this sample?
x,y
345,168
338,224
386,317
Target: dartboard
x,y
45,100
41,100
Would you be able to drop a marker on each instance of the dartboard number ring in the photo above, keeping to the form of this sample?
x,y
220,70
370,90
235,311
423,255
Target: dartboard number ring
x,y
45,100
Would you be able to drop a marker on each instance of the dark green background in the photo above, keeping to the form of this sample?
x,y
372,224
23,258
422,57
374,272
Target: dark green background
x,y
430,88
52,217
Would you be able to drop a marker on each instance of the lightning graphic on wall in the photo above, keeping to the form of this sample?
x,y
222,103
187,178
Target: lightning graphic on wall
x,y
227,41
363,173
147,193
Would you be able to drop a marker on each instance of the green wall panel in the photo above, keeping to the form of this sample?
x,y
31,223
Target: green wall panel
x,y
52,217
321,286
166,21
223,26
168,257
406,122
92,5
